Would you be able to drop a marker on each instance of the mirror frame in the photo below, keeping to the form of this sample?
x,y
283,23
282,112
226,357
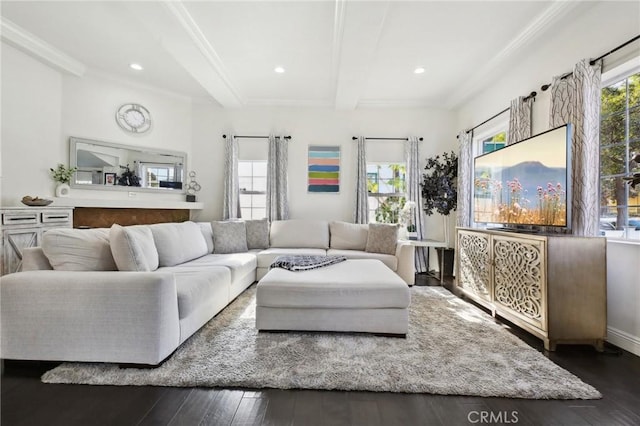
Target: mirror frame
x,y
73,141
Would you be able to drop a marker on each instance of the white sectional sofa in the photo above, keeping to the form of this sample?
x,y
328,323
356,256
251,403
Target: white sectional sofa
x,y
134,294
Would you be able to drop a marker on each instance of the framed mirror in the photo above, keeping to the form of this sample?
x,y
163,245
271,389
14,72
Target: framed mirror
x,y
111,166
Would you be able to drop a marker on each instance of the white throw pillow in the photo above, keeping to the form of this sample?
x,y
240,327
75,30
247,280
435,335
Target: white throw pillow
x,y
229,237
348,236
178,242
133,248
296,233
78,249
382,238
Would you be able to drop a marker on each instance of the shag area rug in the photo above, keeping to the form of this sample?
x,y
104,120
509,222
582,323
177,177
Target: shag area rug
x,y
452,348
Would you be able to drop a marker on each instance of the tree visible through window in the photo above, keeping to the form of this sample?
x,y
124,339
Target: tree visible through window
x,y
496,141
386,186
619,143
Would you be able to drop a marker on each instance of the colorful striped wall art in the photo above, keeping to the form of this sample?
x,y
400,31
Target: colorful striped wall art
x,y
324,169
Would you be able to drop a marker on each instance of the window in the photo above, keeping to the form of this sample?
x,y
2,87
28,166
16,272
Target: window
x,y
157,175
253,189
619,144
494,142
386,186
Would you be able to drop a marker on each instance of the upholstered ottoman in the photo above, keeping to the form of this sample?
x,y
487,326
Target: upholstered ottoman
x,y
358,295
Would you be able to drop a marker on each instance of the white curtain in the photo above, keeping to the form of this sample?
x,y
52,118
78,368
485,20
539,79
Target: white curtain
x,y
465,179
277,179
361,212
575,99
414,193
519,119
231,200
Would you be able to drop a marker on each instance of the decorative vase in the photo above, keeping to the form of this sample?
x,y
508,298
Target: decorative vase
x,y
62,190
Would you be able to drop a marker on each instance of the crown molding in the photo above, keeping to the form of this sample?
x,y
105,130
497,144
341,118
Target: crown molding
x,y
182,15
36,47
539,26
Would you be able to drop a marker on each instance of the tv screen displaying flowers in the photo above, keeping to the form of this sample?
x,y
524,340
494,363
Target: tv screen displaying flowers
x,y
526,183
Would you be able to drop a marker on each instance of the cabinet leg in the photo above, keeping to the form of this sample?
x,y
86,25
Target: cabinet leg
x,y
549,345
599,345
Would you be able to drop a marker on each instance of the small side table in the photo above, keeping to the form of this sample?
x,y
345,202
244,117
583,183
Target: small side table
x,y
430,243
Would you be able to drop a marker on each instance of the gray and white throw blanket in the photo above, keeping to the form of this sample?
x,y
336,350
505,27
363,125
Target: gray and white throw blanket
x,y
305,263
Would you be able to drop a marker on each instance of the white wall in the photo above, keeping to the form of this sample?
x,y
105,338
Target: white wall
x,y
31,126
42,108
314,126
595,32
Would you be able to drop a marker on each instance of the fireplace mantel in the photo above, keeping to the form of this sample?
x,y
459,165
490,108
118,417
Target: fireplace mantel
x,y
135,203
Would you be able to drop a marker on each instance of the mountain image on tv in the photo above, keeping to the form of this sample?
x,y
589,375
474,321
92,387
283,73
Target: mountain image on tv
x,y
525,193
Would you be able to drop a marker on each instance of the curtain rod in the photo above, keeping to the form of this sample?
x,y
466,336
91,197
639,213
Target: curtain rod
x,y
593,61
257,137
355,138
532,95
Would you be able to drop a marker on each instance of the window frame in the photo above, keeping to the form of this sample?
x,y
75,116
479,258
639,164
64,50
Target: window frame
x,y
618,74
383,195
252,192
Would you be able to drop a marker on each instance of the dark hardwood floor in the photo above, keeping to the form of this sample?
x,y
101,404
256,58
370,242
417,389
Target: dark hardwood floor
x,y
616,374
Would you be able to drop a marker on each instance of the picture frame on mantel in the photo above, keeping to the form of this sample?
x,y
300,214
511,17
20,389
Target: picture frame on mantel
x,y
109,178
323,171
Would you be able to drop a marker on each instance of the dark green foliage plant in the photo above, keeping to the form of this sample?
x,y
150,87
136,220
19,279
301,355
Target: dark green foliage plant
x,y
440,184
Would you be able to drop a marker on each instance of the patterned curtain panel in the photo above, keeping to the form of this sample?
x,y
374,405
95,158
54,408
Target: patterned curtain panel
x,y
361,213
277,179
519,120
576,99
231,200
465,179
414,193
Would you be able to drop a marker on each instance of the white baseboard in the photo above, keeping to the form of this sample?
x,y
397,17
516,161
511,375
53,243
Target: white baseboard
x,y
624,340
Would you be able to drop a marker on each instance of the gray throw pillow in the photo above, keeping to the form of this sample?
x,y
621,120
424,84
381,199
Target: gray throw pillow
x,y
257,234
229,237
382,238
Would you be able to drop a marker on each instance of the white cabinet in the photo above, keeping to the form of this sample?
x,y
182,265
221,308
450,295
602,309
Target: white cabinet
x,y
23,228
552,286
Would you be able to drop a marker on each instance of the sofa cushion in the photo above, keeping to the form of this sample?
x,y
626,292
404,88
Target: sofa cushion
x,y
133,248
207,233
382,238
266,257
229,237
178,242
257,234
299,234
388,259
348,236
78,249
196,287
240,264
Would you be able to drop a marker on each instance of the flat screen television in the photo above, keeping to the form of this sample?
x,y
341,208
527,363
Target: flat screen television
x,y
526,185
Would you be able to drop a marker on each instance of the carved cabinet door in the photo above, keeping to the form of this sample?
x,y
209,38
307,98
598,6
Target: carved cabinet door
x,y
474,263
13,242
519,276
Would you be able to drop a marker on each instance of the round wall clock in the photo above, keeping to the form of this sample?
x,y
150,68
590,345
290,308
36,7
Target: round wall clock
x,y
133,118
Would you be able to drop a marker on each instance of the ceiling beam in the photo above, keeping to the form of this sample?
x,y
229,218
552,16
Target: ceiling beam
x,y
34,46
357,29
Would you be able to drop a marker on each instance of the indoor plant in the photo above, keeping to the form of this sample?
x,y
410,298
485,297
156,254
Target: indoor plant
x,y
62,175
439,187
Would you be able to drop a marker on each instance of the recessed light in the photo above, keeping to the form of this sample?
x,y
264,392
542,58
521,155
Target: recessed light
x,y
279,70
136,67
419,70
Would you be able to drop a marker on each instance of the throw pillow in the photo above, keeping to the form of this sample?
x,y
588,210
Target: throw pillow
x,y
78,249
133,248
382,238
229,237
257,234
178,242
348,236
